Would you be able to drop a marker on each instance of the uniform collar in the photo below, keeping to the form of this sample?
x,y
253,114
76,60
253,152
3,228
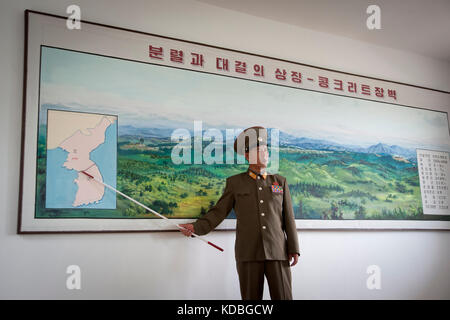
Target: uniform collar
x,y
253,174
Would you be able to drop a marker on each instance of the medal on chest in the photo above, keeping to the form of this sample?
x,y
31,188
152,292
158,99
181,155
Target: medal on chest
x,y
276,188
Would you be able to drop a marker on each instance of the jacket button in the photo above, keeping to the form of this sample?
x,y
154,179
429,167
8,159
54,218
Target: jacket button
x,y
260,188
264,227
261,201
262,213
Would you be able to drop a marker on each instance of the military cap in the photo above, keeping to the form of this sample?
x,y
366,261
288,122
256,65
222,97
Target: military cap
x,y
250,138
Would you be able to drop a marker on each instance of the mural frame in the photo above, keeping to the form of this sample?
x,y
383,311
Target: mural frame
x,y
44,29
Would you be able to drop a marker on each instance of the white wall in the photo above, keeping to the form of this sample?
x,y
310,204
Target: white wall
x,y
414,264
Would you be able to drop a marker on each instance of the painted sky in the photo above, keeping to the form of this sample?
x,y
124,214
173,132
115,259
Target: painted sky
x,y
146,95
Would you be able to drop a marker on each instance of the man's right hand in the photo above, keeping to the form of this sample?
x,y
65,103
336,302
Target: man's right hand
x,y
188,229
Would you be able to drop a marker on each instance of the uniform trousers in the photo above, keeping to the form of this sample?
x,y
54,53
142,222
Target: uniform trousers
x,y
251,279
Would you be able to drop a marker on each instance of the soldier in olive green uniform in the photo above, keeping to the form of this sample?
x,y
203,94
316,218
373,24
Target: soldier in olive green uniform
x,y
266,235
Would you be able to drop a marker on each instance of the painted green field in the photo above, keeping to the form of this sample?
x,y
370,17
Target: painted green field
x,y
323,184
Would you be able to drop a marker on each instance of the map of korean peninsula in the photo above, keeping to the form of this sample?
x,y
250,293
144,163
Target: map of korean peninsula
x,y
79,141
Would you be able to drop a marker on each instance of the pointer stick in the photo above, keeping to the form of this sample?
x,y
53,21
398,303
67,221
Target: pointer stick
x,y
148,209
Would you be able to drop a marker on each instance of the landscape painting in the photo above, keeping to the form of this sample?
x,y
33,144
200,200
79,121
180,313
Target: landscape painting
x,y
344,158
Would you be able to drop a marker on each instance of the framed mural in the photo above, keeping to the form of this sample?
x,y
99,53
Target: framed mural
x,y
156,117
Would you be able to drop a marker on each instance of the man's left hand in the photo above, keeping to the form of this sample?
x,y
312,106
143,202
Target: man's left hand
x,y
295,257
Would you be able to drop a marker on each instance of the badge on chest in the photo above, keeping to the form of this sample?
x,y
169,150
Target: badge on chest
x,y
276,188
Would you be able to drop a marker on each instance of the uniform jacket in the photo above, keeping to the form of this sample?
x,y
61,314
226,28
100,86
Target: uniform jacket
x,y
265,223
